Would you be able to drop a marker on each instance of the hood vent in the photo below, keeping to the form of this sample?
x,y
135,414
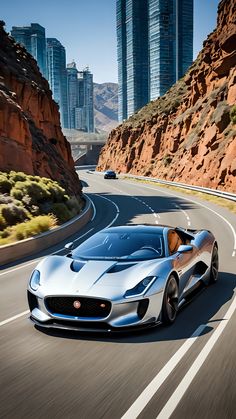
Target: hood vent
x,y
76,265
120,267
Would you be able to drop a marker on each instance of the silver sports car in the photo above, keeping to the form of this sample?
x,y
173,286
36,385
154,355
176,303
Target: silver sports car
x,y
122,278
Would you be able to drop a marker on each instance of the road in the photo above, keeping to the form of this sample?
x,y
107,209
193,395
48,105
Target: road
x,y
179,371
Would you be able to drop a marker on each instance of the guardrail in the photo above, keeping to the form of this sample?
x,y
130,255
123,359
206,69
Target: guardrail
x,y
28,247
216,192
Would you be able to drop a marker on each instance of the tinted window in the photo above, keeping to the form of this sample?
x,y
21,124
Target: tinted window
x,y
134,246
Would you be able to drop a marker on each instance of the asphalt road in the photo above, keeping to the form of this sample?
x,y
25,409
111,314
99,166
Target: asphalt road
x,y
184,371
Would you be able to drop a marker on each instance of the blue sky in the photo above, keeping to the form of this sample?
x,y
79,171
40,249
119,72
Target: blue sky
x,y
87,28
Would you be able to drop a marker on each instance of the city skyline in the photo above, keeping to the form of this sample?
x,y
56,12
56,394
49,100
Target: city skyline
x,y
78,25
154,50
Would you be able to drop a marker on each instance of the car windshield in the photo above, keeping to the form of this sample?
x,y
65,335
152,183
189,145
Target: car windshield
x,y
118,245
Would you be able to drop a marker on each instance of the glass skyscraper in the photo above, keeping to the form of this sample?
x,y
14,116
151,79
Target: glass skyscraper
x,y
33,39
154,48
80,98
57,77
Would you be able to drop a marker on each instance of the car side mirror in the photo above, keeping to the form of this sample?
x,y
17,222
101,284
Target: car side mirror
x,y
184,248
69,246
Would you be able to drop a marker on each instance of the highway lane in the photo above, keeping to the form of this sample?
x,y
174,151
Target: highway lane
x,y
78,376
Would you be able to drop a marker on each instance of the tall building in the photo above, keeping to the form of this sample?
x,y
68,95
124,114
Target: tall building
x,y
33,39
57,77
154,48
80,98
72,88
85,90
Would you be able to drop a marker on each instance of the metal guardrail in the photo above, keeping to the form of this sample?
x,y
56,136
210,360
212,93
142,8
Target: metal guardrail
x,y
216,192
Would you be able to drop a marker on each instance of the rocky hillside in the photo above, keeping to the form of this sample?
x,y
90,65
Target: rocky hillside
x,y
31,139
106,106
189,134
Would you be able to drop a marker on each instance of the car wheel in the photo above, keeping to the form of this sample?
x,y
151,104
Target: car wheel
x,y
170,301
214,266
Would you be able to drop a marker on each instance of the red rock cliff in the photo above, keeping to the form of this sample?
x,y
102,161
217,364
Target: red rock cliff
x,y
31,139
188,134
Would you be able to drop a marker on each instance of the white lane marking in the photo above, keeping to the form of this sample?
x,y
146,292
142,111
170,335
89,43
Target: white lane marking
x,y
19,267
156,383
117,210
93,205
14,317
174,400
185,213
202,205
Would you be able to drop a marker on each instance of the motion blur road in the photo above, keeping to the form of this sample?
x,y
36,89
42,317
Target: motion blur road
x,y
157,373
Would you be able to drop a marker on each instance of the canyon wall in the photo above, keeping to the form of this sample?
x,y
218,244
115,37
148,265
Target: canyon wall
x,y
31,139
189,134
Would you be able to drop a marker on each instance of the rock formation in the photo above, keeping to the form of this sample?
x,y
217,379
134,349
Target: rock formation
x,y
31,139
188,135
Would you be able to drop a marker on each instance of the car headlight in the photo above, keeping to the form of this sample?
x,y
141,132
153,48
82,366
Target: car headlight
x,y
35,280
140,287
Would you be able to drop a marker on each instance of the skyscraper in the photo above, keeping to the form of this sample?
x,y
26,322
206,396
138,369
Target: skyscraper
x,y
155,48
80,98
85,89
33,39
57,77
72,86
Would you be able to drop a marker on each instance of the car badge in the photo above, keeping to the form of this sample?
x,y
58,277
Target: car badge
x,y
77,304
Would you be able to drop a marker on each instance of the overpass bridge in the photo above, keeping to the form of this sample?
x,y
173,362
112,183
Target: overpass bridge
x,y
85,147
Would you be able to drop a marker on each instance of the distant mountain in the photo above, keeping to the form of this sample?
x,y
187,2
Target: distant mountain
x,y
106,106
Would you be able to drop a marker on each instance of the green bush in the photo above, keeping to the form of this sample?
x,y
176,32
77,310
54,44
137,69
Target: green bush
x,y
3,223
61,212
233,114
17,176
36,190
27,229
14,214
5,184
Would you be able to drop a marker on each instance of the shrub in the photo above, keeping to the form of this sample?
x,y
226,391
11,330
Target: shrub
x,y
233,114
61,212
27,229
3,223
17,176
14,214
36,190
5,184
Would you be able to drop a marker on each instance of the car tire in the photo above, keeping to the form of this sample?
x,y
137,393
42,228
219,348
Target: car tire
x,y
170,301
214,266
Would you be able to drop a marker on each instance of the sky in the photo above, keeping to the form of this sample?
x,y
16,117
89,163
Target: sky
x,y
87,28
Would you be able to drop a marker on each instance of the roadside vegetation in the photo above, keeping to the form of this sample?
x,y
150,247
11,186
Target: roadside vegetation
x,y
30,205
223,202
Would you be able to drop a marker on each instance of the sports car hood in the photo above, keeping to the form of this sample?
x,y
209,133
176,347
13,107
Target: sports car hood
x,y
95,278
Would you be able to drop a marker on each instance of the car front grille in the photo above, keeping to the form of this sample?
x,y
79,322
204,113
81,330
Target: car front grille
x,y
89,307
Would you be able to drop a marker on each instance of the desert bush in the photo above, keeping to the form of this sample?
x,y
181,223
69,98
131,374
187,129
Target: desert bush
x,y
74,205
5,199
28,229
3,223
61,212
5,184
14,214
36,190
233,114
17,176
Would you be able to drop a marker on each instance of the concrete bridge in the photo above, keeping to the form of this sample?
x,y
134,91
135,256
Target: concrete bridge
x,y
85,146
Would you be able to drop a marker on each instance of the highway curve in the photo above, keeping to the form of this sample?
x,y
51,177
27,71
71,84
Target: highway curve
x,y
184,371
